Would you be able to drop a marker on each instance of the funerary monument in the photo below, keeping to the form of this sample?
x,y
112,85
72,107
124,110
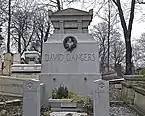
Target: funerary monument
x,y
70,55
70,58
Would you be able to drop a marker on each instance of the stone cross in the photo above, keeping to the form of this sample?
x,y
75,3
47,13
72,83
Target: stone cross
x,y
31,98
101,98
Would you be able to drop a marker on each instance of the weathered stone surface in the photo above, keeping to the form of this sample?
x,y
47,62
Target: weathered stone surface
x,y
16,58
139,99
7,64
62,63
31,98
101,98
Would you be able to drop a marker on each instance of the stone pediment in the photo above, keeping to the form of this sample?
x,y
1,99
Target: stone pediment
x,y
71,20
72,11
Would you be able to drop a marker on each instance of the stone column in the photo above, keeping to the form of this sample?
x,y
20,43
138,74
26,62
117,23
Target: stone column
x,y
101,98
31,98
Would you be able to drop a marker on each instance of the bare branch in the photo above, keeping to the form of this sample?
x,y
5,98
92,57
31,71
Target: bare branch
x,y
140,2
115,2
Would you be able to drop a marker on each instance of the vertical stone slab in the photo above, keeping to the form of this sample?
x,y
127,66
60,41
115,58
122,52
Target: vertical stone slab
x,y
101,98
31,98
0,66
7,64
16,58
48,86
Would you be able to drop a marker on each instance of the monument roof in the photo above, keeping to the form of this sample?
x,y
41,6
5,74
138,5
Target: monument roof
x,y
72,11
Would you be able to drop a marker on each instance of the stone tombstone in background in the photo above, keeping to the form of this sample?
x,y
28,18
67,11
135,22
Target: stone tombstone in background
x,y
31,98
7,64
70,55
0,66
101,98
1,60
16,58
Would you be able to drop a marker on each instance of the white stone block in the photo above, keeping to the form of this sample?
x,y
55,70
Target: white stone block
x,y
16,58
101,98
31,98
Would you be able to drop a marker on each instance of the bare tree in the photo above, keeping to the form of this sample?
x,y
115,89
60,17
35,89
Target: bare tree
x,y
127,29
126,24
100,33
30,25
139,51
23,28
117,47
43,25
3,12
108,14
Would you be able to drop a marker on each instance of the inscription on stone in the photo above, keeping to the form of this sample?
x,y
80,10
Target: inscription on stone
x,y
71,57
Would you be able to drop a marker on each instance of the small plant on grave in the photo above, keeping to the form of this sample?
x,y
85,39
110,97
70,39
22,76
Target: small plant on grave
x,y
85,101
76,98
142,71
60,93
46,114
88,105
54,93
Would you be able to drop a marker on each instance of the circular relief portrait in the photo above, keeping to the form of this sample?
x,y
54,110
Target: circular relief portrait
x,y
70,43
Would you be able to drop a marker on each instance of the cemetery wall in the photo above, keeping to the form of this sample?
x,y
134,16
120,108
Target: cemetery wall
x,y
133,92
139,99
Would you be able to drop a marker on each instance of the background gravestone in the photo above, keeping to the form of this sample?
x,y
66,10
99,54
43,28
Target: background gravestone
x,y
70,56
16,58
0,67
1,60
7,64
31,98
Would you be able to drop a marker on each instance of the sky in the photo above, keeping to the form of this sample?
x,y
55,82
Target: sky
x,y
138,25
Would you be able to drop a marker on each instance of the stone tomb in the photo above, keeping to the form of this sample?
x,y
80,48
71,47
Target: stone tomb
x,y
70,55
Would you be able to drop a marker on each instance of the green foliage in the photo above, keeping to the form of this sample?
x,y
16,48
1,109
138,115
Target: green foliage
x,y
60,93
46,114
88,105
54,93
142,71
86,102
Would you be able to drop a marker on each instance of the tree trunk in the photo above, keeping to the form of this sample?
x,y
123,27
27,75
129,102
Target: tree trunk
x,y
128,58
41,45
127,32
58,5
108,36
19,44
9,23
